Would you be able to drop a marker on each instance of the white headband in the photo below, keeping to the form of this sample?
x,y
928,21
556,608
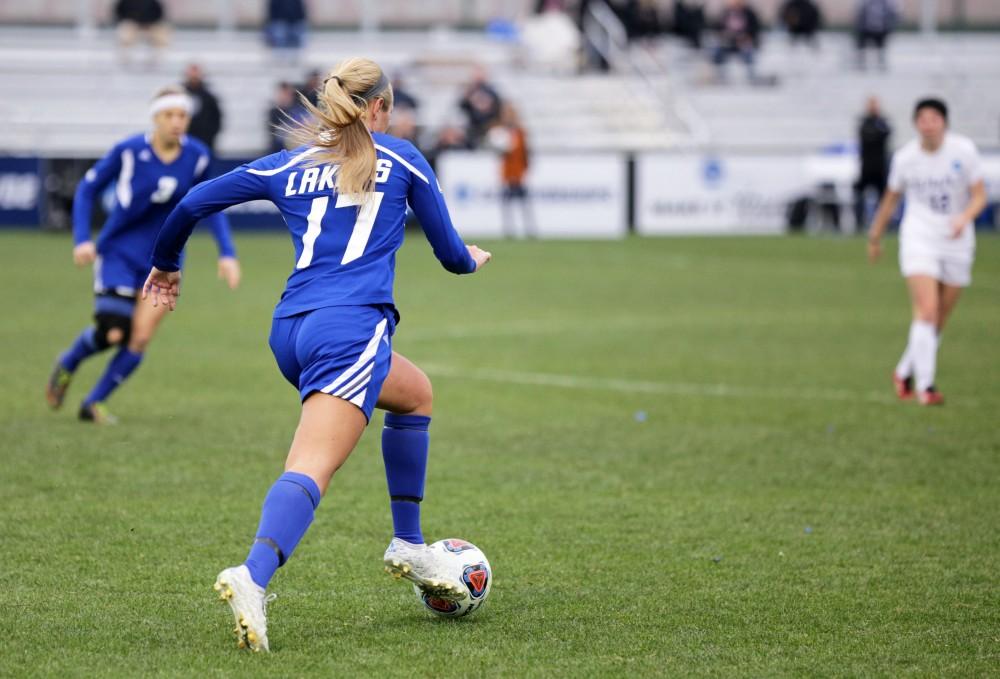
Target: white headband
x,y
171,101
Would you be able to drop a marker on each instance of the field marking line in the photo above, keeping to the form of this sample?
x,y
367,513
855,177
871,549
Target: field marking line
x,y
647,387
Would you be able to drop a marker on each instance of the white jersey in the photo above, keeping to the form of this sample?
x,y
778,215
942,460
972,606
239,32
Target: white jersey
x,y
936,188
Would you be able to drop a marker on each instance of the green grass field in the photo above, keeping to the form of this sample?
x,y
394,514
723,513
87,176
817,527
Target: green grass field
x,y
683,458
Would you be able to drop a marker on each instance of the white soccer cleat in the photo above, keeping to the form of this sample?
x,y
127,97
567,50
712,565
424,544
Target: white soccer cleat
x,y
419,564
249,603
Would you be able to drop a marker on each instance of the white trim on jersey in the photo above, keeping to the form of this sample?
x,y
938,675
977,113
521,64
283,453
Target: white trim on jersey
x,y
201,166
407,164
293,161
349,380
123,191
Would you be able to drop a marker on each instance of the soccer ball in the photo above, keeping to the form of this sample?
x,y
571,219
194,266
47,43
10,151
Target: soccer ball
x,y
468,565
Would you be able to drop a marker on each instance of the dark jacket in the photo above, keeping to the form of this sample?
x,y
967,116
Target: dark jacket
x,y
873,144
206,121
142,12
801,17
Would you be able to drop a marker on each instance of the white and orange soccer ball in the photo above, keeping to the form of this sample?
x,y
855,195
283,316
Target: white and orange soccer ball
x,y
467,564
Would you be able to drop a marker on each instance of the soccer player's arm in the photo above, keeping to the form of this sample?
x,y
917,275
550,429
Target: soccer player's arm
x,y
218,223
93,182
205,199
427,201
977,194
886,208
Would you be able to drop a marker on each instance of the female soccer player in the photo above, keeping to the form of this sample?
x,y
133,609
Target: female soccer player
x,y
941,176
152,173
343,197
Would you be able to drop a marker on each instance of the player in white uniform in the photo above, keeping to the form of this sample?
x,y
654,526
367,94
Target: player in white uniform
x,y
941,176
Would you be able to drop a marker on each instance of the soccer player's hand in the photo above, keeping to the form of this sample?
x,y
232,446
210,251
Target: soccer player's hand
x,y
164,286
481,256
958,224
84,253
874,250
229,271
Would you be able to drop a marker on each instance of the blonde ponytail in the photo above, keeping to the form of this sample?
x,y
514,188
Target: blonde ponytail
x,y
338,128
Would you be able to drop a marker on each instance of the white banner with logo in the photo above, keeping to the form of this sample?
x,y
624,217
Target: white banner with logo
x,y
710,194
569,195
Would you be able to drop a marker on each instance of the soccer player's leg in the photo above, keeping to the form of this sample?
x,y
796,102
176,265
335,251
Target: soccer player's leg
x,y
132,341
923,338
112,317
408,399
332,357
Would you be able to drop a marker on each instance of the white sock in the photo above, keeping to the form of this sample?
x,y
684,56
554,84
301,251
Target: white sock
x,y
904,368
924,344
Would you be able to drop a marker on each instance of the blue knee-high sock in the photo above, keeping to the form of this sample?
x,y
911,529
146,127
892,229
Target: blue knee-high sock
x,y
405,443
83,347
284,519
119,368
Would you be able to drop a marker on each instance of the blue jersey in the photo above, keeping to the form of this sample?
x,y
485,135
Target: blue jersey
x,y
345,251
146,190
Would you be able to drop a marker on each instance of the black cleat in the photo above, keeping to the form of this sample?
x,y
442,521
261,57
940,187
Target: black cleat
x,y
96,413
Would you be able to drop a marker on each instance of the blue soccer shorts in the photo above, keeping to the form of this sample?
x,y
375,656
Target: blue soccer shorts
x,y
344,351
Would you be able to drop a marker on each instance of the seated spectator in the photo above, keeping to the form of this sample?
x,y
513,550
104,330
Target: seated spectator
x,y
481,105
310,88
285,30
141,18
450,138
401,97
641,19
739,33
803,20
281,116
403,123
206,118
552,41
689,22
875,20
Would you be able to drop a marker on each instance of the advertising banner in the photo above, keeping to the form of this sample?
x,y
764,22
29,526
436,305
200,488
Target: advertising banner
x,y
568,196
20,191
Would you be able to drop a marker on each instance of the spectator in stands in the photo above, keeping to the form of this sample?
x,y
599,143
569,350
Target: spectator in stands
x,y
803,20
286,28
641,19
402,98
206,117
281,115
689,21
875,20
510,140
403,123
551,40
450,138
141,18
481,105
739,35
310,88
873,147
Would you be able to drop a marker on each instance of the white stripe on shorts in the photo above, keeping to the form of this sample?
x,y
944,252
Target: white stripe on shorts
x,y
367,355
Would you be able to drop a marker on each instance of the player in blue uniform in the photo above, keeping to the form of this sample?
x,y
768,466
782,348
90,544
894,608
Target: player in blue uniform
x,y
344,197
152,172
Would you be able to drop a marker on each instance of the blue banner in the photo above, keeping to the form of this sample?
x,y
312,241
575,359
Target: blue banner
x,y
20,191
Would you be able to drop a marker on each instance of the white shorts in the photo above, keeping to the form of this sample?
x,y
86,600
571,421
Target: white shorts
x,y
950,268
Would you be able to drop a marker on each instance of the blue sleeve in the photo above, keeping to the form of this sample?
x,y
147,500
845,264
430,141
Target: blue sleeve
x,y
238,186
97,177
428,205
